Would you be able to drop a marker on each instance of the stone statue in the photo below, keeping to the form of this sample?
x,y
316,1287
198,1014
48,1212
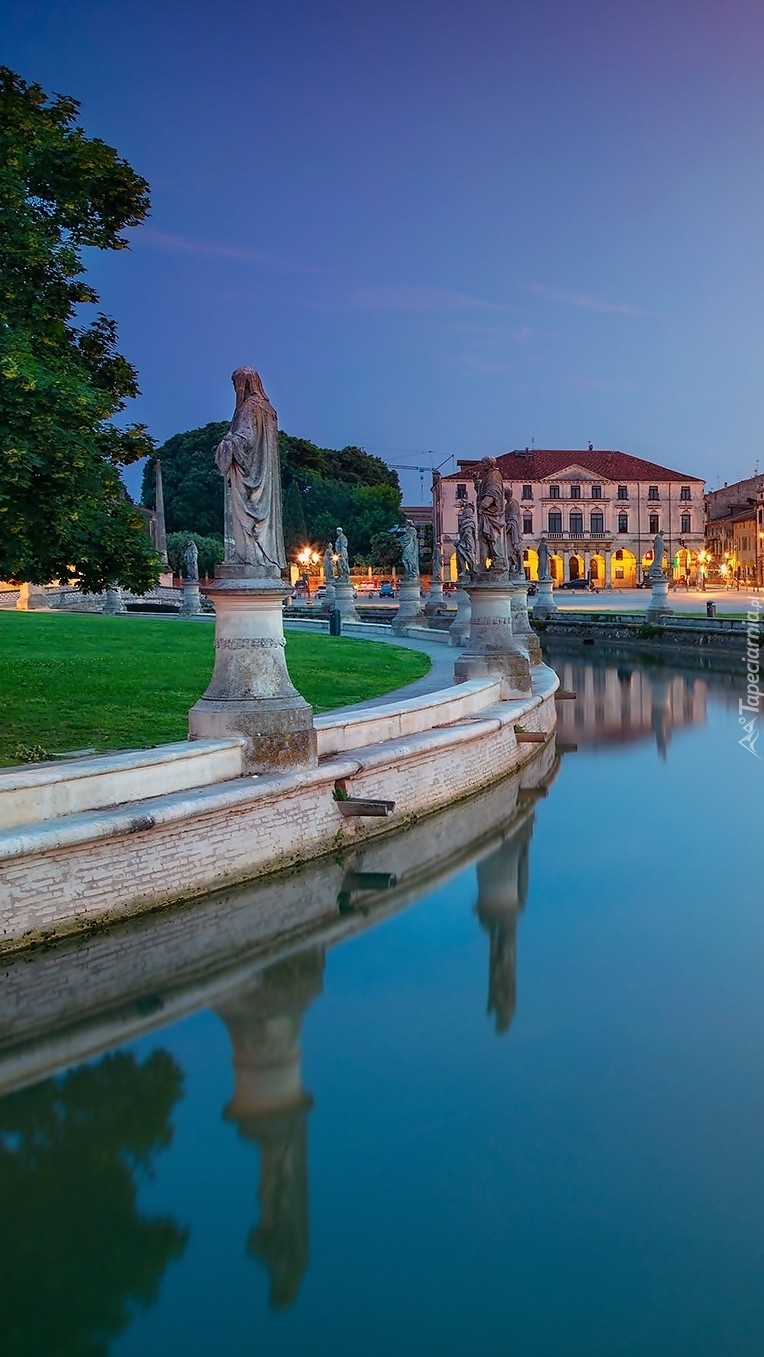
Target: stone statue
x,y
410,543
248,457
437,562
658,549
491,533
545,572
466,542
191,561
341,552
329,564
514,529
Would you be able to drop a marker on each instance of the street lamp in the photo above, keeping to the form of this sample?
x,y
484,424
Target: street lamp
x,y
703,559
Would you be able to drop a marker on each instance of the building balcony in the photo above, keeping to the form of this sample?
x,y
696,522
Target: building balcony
x,y
579,538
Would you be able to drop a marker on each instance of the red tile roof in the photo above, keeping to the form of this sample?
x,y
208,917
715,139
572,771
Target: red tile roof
x,y
545,463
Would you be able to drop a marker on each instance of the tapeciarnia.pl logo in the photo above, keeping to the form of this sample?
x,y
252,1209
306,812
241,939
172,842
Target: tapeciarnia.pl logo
x,y
749,708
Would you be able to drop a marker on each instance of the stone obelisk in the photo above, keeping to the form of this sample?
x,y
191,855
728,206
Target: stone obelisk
x,y
161,527
251,694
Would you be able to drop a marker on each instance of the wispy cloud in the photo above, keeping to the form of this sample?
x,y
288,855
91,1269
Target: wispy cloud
x,y
481,333
398,298
164,240
624,388
477,366
582,299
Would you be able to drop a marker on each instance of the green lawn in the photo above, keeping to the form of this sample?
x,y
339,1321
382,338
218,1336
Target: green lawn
x,y
70,682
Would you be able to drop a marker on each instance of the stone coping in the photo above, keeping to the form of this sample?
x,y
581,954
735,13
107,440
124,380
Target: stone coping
x,y
337,734
48,791
88,827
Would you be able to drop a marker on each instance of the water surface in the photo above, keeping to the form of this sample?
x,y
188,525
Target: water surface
x,y
517,1109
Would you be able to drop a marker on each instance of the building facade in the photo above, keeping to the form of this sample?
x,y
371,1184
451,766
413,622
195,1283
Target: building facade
x,y
735,532
600,512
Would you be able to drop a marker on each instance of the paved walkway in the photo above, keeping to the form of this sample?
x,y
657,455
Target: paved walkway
x,y
728,601
441,673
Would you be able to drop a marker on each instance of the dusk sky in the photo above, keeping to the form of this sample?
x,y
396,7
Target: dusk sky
x,y
441,226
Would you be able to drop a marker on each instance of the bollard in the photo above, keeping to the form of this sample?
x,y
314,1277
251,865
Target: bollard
x,y
710,610
335,622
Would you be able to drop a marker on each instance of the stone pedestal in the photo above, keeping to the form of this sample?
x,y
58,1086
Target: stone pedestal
x,y
251,694
492,648
192,603
545,605
114,603
521,623
434,601
459,631
330,597
410,612
32,598
343,599
658,606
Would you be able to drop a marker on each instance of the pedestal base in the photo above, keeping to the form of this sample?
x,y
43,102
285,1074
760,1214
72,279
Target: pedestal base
x,y
492,649
545,605
251,694
459,631
32,598
658,606
192,603
434,601
521,624
343,599
114,603
410,612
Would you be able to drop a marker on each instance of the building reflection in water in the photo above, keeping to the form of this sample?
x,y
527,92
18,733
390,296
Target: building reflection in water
x,y
621,702
270,1107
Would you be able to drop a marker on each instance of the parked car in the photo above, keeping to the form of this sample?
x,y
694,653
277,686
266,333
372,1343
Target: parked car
x,y
386,590
574,584
367,587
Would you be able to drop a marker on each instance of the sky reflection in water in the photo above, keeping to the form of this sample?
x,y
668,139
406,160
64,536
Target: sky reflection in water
x,y
523,1116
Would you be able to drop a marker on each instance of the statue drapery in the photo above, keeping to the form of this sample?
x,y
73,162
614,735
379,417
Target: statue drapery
x,y
248,457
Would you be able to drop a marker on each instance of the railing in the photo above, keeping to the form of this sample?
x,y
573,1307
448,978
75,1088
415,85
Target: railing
x,y
578,536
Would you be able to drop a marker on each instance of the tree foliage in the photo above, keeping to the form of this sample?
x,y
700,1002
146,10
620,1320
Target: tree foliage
x,y
322,489
210,551
63,510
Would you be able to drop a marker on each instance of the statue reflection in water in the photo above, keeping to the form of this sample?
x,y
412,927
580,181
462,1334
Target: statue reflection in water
x,y
502,890
270,1107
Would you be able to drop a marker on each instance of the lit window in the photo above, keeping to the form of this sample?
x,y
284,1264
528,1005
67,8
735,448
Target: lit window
x,y
623,522
554,492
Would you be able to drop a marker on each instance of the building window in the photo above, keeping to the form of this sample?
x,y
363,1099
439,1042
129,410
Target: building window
x,y
577,524
652,492
527,524
575,492
597,520
653,523
527,492
623,492
686,523
596,492
554,492
684,493
623,522
555,521
619,572
461,492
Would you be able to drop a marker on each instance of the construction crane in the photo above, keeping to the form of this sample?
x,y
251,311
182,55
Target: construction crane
x,y
408,466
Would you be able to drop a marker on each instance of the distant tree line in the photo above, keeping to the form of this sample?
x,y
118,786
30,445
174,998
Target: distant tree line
x,y
322,489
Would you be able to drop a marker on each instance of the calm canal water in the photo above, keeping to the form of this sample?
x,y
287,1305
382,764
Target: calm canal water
x,y
517,1109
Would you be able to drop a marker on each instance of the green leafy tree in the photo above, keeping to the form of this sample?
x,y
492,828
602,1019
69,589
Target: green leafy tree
x,y
64,513
210,551
78,1256
295,528
192,484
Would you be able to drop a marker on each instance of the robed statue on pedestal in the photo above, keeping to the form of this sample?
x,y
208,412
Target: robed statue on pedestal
x,y
248,457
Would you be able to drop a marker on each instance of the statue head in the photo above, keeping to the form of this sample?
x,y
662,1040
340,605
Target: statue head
x,y
246,382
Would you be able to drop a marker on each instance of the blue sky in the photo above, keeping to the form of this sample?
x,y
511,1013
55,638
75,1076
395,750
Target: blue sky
x,y
436,226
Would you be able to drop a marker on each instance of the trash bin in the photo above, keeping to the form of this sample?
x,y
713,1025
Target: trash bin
x,y
710,610
335,622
